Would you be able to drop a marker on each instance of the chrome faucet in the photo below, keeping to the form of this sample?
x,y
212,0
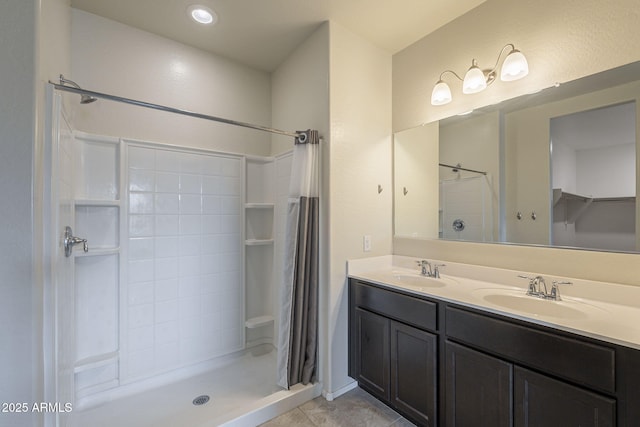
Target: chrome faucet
x,y
436,270
427,270
538,288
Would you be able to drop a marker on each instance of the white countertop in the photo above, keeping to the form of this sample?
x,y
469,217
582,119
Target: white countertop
x,y
606,311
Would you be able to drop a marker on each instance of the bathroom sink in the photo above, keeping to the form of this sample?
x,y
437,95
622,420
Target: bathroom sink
x,y
419,281
537,307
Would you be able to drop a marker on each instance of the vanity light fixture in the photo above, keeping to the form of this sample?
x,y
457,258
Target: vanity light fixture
x,y
476,80
202,14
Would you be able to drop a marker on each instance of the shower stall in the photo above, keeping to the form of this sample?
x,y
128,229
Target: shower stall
x,y
165,267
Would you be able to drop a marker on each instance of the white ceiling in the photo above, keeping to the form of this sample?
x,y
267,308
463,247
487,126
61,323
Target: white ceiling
x,y
262,33
597,128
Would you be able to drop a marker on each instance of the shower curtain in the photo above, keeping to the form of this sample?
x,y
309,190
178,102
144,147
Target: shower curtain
x,y
298,337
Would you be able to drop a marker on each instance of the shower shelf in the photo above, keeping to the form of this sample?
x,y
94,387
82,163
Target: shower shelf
x,y
97,252
259,205
256,322
97,202
96,361
258,242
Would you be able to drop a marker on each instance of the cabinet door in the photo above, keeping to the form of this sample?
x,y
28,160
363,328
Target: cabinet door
x,y
542,402
372,352
478,388
414,373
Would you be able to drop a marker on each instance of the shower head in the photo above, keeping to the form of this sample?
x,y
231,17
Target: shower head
x,y
84,98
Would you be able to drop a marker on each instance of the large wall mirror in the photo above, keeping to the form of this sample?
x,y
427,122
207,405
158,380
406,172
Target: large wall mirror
x,y
555,168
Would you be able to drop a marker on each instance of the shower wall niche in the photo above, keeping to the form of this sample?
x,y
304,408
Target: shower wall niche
x,y
180,271
267,185
97,218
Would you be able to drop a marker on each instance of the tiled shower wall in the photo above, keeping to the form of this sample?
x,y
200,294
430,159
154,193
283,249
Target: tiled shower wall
x,y
184,301
468,199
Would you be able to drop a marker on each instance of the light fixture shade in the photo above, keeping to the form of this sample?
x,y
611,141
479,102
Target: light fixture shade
x,y
515,66
441,94
474,81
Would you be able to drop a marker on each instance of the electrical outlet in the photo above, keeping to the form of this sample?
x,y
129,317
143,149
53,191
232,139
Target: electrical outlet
x,y
366,243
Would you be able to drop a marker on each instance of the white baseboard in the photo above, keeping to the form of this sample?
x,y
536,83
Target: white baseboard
x,y
330,395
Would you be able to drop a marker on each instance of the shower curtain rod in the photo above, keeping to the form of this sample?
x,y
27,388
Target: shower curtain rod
x,y
462,169
174,110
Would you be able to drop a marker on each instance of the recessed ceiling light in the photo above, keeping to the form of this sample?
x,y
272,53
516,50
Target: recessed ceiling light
x,y
202,14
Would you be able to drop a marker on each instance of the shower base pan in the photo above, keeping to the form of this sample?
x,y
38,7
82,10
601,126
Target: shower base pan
x,y
241,393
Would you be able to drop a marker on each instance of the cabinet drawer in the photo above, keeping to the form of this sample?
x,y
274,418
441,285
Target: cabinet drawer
x,y
580,361
414,311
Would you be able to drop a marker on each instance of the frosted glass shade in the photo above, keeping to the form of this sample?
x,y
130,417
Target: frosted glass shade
x,y
515,66
474,81
441,94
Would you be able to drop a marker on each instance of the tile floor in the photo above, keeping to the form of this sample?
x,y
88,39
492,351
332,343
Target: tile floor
x,y
353,409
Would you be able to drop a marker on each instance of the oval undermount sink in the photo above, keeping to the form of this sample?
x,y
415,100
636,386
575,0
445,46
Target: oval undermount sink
x,y
419,281
537,307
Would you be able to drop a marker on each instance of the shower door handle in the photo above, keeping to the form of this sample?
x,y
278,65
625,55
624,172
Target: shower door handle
x,y
70,241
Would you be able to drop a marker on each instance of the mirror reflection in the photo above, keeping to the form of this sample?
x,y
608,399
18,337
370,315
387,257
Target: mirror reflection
x,y
556,168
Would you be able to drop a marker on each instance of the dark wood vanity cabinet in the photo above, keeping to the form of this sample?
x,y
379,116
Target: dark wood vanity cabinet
x,y
372,352
393,360
513,364
413,372
478,388
439,363
543,401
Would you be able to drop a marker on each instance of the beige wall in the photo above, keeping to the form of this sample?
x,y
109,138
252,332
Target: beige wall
x,y
357,160
415,152
562,41
117,59
299,91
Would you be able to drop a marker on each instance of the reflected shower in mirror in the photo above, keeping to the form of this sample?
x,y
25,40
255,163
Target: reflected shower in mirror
x,y
555,168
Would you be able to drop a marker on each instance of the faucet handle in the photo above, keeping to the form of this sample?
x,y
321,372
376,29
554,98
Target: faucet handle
x,y
555,291
533,284
436,270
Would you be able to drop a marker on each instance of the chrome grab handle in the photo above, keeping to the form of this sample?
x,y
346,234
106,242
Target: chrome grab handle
x,y
70,241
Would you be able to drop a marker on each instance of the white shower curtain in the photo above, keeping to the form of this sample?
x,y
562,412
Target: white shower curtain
x,y
298,335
